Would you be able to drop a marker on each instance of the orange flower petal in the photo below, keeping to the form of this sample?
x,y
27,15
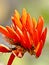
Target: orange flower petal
x,y
16,19
38,49
23,41
4,31
29,24
17,14
24,16
26,37
35,37
40,25
14,35
29,40
43,36
13,21
34,22
29,43
17,22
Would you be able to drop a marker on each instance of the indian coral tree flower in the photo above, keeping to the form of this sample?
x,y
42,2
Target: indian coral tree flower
x,y
26,34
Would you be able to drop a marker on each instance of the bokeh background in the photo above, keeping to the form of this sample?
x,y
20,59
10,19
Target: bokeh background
x,y
35,8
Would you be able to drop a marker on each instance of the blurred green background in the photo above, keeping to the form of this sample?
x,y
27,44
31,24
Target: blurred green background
x,y
36,8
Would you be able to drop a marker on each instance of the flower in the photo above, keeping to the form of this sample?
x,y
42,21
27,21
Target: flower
x,y
26,34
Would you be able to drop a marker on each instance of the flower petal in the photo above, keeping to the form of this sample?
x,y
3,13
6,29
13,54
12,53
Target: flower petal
x,y
23,40
35,37
16,13
11,59
27,37
4,49
43,36
34,22
15,36
24,16
38,49
40,25
30,41
16,19
29,24
4,31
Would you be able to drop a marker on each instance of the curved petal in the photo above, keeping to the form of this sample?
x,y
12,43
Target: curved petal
x,y
16,13
4,31
14,35
16,20
38,49
43,36
29,42
4,49
29,24
35,37
40,25
24,16
34,22
11,59
20,33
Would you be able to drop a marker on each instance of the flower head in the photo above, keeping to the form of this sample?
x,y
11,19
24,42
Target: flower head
x,y
25,32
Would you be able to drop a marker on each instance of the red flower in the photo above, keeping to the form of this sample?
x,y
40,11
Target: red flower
x,y
26,34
